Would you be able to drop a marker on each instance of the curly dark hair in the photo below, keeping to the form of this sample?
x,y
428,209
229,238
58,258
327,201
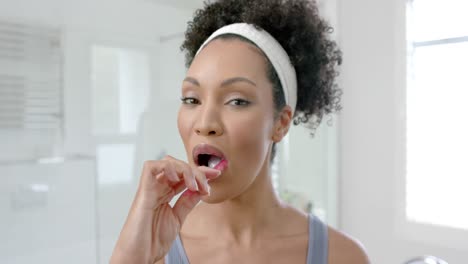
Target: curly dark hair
x,y
301,31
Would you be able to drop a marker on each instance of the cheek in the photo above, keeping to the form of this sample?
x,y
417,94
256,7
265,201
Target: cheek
x,y
183,124
251,142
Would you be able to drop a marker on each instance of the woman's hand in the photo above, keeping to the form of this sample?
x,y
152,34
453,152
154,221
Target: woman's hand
x,y
152,224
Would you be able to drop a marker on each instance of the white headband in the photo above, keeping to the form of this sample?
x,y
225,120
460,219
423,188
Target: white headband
x,y
272,49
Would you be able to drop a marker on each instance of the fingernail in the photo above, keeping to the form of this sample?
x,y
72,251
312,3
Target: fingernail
x,y
209,189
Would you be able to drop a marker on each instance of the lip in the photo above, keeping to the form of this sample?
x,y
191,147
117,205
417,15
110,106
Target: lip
x,y
206,149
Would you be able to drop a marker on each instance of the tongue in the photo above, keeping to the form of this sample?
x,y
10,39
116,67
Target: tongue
x,y
213,161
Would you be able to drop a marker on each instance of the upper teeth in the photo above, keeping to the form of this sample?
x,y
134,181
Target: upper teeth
x,y
213,161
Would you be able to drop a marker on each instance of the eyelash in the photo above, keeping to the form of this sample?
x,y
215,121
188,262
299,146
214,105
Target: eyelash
x,y
241,102
185,99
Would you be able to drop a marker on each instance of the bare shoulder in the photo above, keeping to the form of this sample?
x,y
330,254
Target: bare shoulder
x,y
345,249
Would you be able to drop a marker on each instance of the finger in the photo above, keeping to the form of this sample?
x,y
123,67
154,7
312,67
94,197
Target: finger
x,y
168,175
187,201
172,172
189,178
179,187
161,178
153,168
201,180
168,157
172,164
210,173
184,170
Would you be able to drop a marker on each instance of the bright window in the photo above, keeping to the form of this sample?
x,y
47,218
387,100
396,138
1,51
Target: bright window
x,y
437,113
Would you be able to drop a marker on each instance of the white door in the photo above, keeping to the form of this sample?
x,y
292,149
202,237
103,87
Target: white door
x,y
402,144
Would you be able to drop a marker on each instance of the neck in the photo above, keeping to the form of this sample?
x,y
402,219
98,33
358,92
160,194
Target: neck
x,y
246,218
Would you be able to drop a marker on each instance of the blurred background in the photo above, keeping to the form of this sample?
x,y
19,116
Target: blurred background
x,y
89,90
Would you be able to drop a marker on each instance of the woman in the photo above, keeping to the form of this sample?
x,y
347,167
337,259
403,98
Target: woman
x,y
253,68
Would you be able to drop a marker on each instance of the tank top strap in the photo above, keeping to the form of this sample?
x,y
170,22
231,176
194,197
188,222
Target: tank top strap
x,y
317,252
176,254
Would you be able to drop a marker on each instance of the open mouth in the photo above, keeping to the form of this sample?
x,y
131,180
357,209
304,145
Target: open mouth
x,y
209,156
208,160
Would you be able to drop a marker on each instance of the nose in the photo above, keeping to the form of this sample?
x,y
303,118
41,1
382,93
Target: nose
x,y
208,122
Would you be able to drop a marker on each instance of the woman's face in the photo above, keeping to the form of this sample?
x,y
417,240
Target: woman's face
x,y
228,104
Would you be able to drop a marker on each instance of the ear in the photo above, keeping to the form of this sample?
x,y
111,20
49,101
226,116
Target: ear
x,y
282,123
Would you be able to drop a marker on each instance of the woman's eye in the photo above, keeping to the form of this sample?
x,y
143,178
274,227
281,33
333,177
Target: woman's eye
x,y
189,100
239,102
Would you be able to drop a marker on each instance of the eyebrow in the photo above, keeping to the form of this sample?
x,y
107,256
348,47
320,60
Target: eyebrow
x,y
224,83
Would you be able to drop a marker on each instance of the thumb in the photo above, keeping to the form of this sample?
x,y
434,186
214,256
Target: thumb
x,y
209,172
186,202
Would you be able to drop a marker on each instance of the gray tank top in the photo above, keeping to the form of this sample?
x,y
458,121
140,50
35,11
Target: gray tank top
x,y
317,251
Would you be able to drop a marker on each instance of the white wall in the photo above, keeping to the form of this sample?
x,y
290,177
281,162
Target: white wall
x,y
368,29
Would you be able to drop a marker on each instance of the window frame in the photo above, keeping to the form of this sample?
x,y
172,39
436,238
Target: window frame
x,y
406,229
